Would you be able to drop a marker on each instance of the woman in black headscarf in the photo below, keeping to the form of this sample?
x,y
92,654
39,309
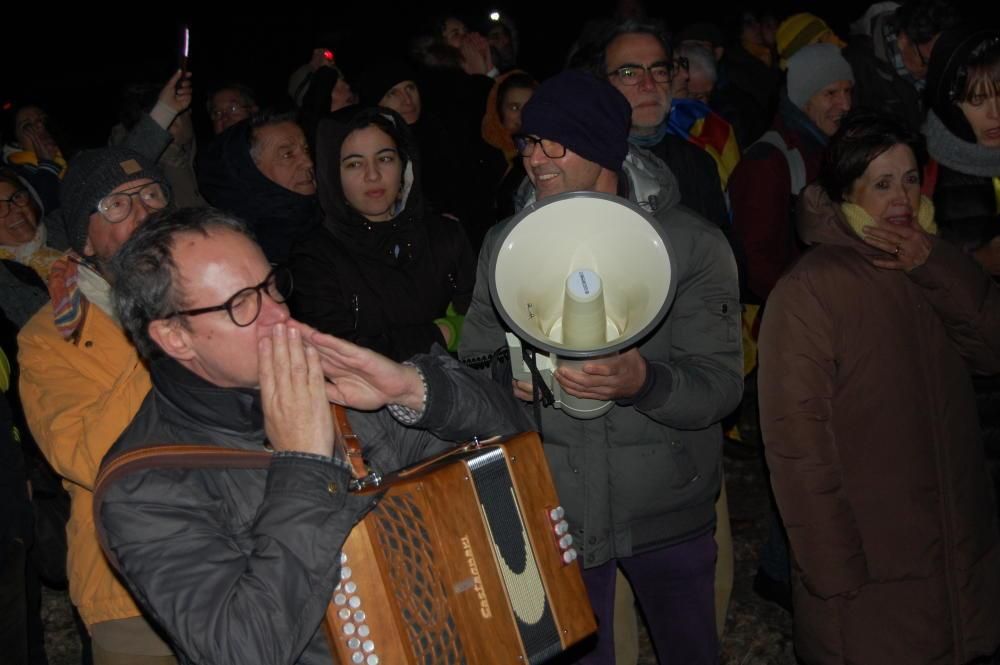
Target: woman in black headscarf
x,y
381,271
963,138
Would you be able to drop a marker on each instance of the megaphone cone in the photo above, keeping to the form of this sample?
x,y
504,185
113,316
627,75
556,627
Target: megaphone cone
x,y
582,275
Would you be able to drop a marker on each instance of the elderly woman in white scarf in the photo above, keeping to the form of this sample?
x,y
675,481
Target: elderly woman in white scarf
x,y
25,255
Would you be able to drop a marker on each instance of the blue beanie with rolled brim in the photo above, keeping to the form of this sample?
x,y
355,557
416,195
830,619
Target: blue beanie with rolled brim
x,y
582,112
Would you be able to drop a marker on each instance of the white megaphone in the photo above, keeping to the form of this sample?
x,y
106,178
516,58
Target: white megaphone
x,y
577,278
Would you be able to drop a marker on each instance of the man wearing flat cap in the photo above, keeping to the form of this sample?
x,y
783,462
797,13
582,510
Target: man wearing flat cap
x,y
82,381
639,483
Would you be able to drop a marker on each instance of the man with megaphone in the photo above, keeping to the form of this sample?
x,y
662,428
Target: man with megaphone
x,y
638,476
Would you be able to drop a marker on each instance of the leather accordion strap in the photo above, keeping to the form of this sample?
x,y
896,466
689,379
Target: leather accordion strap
x,y
352,446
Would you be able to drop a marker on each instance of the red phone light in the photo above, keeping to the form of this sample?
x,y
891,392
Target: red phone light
x,y
328,54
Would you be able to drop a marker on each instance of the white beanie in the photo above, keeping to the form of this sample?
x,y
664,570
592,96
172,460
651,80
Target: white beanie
x,y
814,67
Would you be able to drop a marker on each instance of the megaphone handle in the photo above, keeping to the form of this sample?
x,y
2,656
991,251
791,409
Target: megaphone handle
x,y
540,392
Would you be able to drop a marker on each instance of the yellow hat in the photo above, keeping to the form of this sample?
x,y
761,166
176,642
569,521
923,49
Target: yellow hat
x,y
801,30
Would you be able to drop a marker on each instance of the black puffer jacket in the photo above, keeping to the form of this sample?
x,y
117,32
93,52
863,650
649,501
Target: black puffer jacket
x,y
238,566
379,284
966,208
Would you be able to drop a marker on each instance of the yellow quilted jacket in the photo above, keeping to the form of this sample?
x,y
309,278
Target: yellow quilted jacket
x,y
79,393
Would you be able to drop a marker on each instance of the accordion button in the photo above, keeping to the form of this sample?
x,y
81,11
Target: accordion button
x,y
557,513
359,616
357,657
368,646
345,573
354,602
343,558
354,643
569,556
350,587
566,541
562,528
372,660
344,613
349,629
339,599
364,630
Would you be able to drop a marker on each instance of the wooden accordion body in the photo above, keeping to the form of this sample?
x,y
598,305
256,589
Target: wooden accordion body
x,y
464,561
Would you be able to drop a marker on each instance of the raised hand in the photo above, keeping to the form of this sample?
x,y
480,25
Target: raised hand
x,y
361,378
293,393
909,247
177,92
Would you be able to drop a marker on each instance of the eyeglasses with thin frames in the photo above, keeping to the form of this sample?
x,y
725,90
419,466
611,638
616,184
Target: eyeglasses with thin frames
x,y
116,207
634,74
230,110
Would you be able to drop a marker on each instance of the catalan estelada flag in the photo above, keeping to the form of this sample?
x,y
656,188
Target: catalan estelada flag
x,y
693,121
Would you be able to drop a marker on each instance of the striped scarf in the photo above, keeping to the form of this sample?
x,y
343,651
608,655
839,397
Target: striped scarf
x,y
68,305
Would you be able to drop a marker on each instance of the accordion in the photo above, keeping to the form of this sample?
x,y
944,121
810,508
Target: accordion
x,y
465,560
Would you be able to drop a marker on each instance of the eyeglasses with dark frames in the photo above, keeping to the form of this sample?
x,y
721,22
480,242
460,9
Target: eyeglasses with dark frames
x,y
244,306
526,143
634,74
20,198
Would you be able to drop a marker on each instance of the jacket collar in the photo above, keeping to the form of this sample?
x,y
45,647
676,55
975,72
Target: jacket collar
x,y
235,411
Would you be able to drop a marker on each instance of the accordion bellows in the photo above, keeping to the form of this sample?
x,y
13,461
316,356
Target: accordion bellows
x,y
465,560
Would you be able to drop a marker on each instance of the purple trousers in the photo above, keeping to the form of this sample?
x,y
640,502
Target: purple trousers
x,y
675,587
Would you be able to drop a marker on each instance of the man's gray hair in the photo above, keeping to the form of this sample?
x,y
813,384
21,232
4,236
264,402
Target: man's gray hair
x,y
589,51
265,119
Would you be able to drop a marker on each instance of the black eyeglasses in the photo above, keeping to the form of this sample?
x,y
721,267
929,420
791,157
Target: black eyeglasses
x,y
20,198
244,306
633,74
526,146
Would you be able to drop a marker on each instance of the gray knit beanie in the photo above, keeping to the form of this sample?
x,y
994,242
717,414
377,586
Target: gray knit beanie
x,y
91,176
814,67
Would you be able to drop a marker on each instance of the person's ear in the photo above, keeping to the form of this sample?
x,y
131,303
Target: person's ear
x,y
172,337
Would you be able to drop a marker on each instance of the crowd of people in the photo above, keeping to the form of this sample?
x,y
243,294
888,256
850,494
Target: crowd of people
x,y
833,207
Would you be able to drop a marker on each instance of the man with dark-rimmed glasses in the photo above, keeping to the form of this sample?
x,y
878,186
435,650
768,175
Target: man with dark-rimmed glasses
x,y
635,57
238,565
82,381
641,480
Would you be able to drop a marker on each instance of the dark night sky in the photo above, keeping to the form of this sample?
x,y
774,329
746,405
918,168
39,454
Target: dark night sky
x,y
76,63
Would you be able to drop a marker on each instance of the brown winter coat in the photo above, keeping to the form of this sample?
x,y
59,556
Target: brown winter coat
x,y
869,421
